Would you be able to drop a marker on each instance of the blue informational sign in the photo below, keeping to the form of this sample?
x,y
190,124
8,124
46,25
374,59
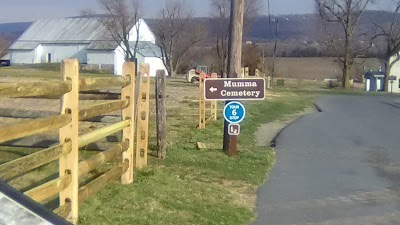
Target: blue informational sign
x,y
234,112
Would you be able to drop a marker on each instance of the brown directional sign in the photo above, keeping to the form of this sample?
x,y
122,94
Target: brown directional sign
x,y
234,89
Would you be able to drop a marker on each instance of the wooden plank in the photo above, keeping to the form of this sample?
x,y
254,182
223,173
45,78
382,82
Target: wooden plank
x,y
210,118
49,189
95,161
99,183
92,188
202,103
69,163
25,164
201,145
22,113
26,128
142,131
214,110
63,210
102,133
105,119
90,84
128,133
34,89
161,115
102,108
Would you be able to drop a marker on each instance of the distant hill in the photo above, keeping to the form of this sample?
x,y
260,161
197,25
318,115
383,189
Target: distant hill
x,y
292,28
14,27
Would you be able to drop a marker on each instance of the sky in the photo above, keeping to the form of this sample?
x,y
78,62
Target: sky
x,y
30,10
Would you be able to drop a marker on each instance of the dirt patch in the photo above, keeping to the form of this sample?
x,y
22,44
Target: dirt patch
x,y
267,132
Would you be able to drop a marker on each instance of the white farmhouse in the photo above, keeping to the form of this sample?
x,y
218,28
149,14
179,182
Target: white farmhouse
x,y
52,40
395,72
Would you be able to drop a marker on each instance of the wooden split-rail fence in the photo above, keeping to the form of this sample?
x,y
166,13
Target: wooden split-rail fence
x,y
212,107
67,185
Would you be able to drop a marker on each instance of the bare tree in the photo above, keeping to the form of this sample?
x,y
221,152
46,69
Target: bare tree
x,y
251,56
221,11
4,44
389,33
177,33
275,32
121,16
346,15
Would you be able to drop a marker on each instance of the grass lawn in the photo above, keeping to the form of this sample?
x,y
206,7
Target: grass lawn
x,y
191,186
196,186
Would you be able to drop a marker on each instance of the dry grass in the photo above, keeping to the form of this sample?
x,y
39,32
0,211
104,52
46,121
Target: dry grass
x,y
316,68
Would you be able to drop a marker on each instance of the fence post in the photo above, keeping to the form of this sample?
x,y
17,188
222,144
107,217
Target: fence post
x,y
246,72
257,73
242,72
269,82
128,133
202,103
214,104
161,115
142,132
69,163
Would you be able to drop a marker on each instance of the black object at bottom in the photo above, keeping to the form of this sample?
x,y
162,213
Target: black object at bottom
x,y
31,206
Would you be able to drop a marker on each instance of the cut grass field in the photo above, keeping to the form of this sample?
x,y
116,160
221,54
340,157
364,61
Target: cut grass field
x,y
191,186
319,68
196,186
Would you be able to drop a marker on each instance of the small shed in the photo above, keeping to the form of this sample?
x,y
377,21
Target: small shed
x,y
5,60
374,80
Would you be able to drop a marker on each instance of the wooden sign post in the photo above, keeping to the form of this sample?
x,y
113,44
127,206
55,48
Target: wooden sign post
x,y
202,103
161,115
214,104
234,62
69,162
142,132
127,93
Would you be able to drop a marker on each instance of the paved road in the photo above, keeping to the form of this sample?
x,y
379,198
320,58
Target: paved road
x,y
337,167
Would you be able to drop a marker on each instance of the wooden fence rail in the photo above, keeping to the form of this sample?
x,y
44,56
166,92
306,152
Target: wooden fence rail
x,y
26,128
66,186
34,89
213,106
91,84
30,162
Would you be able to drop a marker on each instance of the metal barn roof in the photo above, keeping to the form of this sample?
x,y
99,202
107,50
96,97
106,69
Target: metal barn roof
x,y
24,45
77,30
62,30
103,45
65,29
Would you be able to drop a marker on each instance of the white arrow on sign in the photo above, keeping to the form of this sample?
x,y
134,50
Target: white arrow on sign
x,y
213,89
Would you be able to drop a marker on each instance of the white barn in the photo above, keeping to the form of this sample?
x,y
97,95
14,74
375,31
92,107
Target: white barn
x,y
395,71
52,40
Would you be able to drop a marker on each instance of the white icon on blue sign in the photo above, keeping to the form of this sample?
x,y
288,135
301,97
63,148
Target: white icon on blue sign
x,y
234,112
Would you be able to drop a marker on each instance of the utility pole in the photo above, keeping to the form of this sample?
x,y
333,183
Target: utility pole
x,y
234,62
